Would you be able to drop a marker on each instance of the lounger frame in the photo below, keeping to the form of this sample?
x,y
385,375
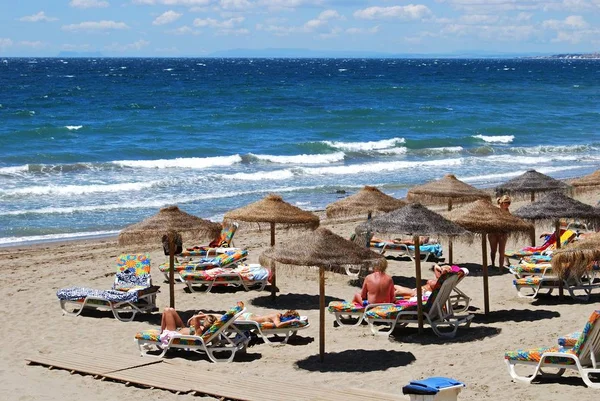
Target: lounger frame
x,y
120,310
233,279
264,333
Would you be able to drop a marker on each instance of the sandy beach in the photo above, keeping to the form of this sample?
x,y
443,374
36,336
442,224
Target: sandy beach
x,y
33,324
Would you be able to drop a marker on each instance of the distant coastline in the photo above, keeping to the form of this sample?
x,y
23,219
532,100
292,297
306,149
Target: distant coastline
x,y
573,56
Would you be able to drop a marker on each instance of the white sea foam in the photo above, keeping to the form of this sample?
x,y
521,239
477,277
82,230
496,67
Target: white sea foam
x,y
378,167
543,149
55,237
73,127
512,174
439,151
492,139
528,159
79,189
393,151
14,169
190,162
261,175
365,146
303,159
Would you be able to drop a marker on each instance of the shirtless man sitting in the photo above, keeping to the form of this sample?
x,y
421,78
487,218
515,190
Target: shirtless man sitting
x,y
377,288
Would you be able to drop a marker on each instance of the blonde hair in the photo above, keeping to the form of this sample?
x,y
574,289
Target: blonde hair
x,y
503,199
380,267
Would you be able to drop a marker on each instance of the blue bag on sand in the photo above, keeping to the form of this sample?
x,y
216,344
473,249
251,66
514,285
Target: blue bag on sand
x,y
430,386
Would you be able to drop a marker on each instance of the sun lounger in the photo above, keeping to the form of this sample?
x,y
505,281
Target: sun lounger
x,y
222,260
437,312
224,241
267,331
218,338
579,288
132,291
246,276
583,357
432,250
566,237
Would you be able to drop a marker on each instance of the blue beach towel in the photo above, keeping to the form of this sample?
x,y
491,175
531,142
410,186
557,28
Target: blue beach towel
x,y
430,386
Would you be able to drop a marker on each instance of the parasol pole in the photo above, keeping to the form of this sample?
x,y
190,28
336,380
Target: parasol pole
x,y
561,294
419,289
532,233
486,290
450,240
172,269
273,268
321,313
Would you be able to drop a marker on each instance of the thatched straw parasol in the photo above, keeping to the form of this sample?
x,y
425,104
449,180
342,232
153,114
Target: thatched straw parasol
x,y
153,228
587,183
577,258
169,220
417,220
447,190
555,206
531,182
481,217
366,201
323,249
273,209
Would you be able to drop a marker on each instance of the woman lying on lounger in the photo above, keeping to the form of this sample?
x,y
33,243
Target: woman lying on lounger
x,y
438,270
278,319
171,324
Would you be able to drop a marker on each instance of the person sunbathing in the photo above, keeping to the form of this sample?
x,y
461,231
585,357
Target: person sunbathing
x,y
438,270
278,319
378,288
172,324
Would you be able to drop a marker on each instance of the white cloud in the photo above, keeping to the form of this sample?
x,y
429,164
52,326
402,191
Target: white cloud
x,y
184,30
491,32
404,13
572,22
213,23
360,31
5,42
35,44
477,19
72,47
89,3
329,14
41,16
138,45
95,26
238,5
167,17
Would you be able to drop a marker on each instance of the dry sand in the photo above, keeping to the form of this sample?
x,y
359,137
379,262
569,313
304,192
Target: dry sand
x,y
33,324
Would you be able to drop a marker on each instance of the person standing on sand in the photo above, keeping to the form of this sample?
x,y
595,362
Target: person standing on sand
x,y
498,241
377,288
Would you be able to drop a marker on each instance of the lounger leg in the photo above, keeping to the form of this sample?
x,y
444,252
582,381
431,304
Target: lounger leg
x,y
585,375
516,377
338,318
75,312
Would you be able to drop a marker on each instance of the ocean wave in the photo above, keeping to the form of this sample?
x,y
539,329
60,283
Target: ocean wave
x,y
79,189
14,170
365,146
437,151
543,149
56,237
512,174
494,139
189,162
393,151
303,159
380,166
261,175
73,127
528,159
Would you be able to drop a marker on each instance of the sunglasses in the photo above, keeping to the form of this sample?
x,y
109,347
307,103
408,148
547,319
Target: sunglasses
x,y
505,203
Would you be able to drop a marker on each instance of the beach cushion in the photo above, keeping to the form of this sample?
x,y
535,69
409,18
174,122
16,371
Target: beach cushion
x,y
80,293
290,324
222,321
154,336
534,281
250,272
344,306
220,260
532,268
569,340
139,264
535,354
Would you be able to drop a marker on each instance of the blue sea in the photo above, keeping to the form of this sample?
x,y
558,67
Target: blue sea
x,y
89,146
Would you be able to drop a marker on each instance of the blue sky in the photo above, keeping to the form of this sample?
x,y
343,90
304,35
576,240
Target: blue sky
x,y
201,27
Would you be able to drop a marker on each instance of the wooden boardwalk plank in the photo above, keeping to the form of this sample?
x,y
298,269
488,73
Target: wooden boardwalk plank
x,y
169,375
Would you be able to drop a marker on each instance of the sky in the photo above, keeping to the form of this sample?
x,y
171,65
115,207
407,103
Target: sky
x,y
190,28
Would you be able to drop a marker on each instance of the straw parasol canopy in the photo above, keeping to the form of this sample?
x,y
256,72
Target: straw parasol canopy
x,y
369,199
481,217
577,258
417,220
273,209
323,249
447,190
588,182
176,224
169,218
555,206
531,182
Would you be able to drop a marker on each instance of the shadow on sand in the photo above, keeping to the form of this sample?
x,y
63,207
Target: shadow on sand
x,y
463,335
357,360
476,270
292,301
515,315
